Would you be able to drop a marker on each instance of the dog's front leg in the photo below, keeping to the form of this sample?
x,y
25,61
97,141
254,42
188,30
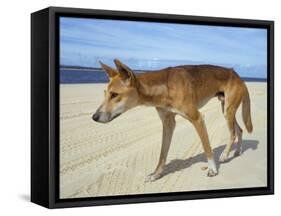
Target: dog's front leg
x,y
169,123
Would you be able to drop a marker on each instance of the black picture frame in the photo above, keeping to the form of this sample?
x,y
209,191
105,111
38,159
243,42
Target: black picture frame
x,y
45,107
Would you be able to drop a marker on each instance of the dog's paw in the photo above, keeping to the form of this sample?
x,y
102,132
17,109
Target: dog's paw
x,y
212,168
223,157
212,172
152,177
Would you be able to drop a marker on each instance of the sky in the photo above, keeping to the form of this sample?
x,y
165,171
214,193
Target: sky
x,y
151,45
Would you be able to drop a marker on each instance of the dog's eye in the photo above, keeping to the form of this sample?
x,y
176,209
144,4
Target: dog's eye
x,y
113,95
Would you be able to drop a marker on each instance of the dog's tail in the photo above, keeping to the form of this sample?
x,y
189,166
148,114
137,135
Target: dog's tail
x,y
246,110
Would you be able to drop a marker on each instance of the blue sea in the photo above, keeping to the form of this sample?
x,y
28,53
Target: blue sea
x,y
75,76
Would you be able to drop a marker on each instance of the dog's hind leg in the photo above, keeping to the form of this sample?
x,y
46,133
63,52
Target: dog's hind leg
x,y
233,100
238,130
230,118
198,122
169,123
239,133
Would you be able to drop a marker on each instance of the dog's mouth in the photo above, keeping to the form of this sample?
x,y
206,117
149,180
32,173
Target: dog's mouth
x,y
105,117
115,116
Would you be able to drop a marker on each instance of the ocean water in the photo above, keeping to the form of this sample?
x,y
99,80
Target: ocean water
x,y
74,76
82,76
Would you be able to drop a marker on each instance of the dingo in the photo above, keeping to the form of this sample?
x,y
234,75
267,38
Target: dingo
x,y
178,90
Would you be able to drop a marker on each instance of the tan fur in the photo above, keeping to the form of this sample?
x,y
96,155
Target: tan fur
x,y
179,90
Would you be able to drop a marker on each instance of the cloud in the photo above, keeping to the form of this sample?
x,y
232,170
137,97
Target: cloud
x,y
84,41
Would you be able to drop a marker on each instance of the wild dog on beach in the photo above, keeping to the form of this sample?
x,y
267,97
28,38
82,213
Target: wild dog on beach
x,y
178,90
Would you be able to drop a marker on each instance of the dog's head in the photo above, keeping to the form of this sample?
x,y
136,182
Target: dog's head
x,y
120,95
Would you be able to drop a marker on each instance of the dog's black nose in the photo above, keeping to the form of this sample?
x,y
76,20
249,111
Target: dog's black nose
x,y
95,117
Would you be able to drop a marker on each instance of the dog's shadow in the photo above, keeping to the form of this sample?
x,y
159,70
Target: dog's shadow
x,y
179,164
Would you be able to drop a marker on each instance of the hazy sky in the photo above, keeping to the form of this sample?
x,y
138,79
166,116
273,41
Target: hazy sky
x,y
85,41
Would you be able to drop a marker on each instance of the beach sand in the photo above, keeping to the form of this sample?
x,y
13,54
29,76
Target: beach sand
x,y
115,158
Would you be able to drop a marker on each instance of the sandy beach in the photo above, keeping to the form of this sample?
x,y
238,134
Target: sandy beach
x,y
115,158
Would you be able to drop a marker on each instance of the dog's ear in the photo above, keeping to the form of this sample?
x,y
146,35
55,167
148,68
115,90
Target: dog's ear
x,y
125,72
111,72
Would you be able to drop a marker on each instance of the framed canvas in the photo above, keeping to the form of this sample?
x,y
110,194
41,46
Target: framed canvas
x,y
138,107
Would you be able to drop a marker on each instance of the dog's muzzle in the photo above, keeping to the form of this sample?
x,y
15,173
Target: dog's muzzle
x,y
101,117
95,117
104,117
